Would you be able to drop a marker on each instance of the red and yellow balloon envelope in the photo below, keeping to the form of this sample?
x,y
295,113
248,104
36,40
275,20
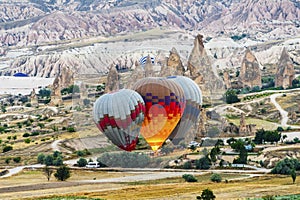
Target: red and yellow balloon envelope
x,y
165,103
119,115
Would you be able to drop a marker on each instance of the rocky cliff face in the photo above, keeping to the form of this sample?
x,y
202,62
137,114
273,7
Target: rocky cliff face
x,y
250,73
201,71
285,73
44,21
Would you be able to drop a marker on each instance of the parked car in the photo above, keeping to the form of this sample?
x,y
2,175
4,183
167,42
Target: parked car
x,y
93,165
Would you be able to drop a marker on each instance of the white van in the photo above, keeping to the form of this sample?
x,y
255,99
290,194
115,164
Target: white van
x,y
92,165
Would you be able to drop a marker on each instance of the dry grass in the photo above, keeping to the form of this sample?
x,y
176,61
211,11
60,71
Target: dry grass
x,y
255,187
171,188
259,123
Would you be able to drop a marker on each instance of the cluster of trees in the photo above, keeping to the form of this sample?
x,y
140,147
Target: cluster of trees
x,y
262,136
287,166
61,174
70,90
124,159
55,159
239,146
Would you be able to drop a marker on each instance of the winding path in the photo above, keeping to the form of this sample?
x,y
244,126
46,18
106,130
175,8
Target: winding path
x,y
283,113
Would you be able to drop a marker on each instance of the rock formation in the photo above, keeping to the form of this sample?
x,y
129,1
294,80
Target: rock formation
x,y
226,78
112,82
201,71
174,65
285,73
33,98
246,129
56,92
149,72
250,74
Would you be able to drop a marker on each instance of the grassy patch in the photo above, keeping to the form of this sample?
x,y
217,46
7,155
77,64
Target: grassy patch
x,y
68,198
259,123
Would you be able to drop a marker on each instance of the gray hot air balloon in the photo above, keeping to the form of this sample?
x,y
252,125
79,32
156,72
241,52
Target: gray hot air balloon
x,y
193,96
119,115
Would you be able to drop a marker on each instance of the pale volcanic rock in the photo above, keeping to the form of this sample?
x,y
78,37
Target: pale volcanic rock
x,y
173,65
201,71
113,82
285,73
250,74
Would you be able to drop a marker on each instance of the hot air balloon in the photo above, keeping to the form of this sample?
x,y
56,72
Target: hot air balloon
x,y
164,100
191,113
119,115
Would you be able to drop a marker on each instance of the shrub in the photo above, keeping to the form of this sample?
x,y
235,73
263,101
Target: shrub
x,y
48,160
7,160
189,178
27,140
62,173
17,159
216,178
71,129
26,135
7,148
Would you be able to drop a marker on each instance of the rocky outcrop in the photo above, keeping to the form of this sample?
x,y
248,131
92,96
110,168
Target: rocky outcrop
x,y
174,65
201,71
246,129
112,82
285,73
149,71
33,98
250,73
226,78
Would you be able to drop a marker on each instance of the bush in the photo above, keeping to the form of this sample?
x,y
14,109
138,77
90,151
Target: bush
x,y
82,162
27,140
189,178
71,129
7,148
26,135
17,159
216,178
62,173
48,160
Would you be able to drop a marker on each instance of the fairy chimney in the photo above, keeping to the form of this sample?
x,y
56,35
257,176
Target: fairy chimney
x,y
285,73
250,74
112,82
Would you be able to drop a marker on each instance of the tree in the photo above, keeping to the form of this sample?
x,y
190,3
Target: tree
x,y
62,173
82,162
203,163
231,96
259,136
285,166
41,158
47,172
207,194
293,175
48,160
272,136
216,178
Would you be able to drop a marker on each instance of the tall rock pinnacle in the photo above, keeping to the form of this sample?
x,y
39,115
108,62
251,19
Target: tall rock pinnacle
x,y
202,72
285,73
250,74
